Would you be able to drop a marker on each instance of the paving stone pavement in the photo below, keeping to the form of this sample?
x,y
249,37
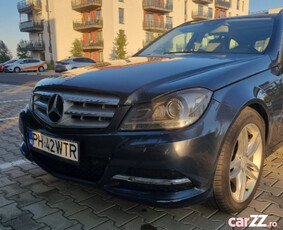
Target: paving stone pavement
x,y
32,199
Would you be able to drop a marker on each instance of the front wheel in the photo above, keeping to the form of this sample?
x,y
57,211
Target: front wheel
x,y
17,70
40,69
240,162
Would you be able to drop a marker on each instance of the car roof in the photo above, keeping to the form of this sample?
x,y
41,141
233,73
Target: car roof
x,y
233,18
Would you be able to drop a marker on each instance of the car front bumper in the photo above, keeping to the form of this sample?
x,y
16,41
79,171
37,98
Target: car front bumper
x,y
162,168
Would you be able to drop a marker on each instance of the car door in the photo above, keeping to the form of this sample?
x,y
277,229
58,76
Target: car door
x,y
78,62
24,64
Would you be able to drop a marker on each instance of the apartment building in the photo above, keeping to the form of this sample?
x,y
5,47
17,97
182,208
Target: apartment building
x,y
53,25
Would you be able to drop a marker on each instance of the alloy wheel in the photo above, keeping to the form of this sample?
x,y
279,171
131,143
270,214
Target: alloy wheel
x,y
245,163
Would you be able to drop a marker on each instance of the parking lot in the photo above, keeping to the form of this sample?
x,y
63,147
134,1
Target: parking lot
x,y
31,199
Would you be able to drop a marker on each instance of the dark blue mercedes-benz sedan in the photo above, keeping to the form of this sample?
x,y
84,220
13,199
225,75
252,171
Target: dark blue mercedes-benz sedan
x,y
188,118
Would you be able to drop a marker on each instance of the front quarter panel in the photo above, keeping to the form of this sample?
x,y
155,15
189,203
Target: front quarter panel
x,y
262,90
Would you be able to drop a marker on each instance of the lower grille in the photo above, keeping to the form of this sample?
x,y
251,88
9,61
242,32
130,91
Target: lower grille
x,y
154,173
154,188
89,169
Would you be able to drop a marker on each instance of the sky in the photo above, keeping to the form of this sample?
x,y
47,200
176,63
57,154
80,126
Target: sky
x,y
11,35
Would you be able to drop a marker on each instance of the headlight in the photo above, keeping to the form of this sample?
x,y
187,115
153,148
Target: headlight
x,y
172,111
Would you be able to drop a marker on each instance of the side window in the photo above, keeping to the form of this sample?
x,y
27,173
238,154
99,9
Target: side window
x,y
33,61
87,60
24,62
77,60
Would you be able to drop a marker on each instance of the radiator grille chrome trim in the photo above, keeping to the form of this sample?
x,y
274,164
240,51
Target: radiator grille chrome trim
x,y
81,110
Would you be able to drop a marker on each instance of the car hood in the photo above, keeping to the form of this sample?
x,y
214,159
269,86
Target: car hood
x,y
139,79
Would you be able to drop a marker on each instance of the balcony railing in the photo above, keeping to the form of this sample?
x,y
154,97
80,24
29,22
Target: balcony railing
x,y
223,4
27,6
201,15
33,46
156,26
31,26
163,7
88,25
93,45
203,1
86,5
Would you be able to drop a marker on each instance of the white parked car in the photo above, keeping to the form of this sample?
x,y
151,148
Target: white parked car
x,y
28,64
72,63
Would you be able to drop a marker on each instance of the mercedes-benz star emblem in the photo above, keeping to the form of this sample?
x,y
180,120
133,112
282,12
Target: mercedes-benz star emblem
x,y
55,108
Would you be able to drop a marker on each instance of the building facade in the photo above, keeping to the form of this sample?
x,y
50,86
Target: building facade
x,y
53,25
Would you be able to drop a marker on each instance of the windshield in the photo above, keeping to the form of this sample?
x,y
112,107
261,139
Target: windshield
x,y
243,35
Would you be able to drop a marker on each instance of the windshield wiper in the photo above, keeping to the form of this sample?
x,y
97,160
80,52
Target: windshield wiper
x,y
190,51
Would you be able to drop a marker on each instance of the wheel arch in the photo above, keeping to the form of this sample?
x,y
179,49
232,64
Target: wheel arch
x,y
17,67
259,108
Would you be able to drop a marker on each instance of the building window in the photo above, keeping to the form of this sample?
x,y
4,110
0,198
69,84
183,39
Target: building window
x,y
200,9
149,18
169,21
243,6
149,36
98,14
100,56
99,35
121,0
238,4
89,37
210,12
121,15
222,14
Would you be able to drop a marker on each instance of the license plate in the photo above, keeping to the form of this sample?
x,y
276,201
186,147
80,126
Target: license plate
x,y
58,147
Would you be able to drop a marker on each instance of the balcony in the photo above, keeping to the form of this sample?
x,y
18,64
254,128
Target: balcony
x,y
223,4
33,46
85,5
201,15
85,26
155,26
93,45
203,1
160,7
31,26
27,6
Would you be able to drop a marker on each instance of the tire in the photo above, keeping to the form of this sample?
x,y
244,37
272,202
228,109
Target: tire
x,y
240,162
41,69
17,70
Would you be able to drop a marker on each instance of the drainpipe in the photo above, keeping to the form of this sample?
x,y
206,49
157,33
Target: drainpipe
x,y
49,31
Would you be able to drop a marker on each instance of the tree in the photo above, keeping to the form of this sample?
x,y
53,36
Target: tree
x,y
77,49
21,53
5,53
120,44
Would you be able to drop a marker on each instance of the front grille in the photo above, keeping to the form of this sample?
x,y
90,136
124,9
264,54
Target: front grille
x,y
89,169
80,110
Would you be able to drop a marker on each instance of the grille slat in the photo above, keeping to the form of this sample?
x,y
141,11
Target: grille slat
x,y
92,99
87,111
81,110
41,104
